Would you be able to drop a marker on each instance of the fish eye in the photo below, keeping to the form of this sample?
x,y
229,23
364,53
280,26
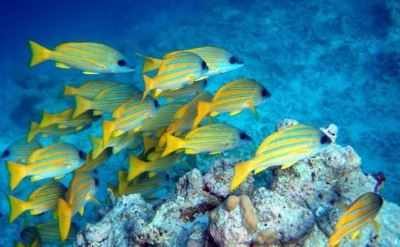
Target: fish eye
x,y
6,153
233,60
96,182
82,154
204,66
265,93
244,136
156,104
325,140
121,62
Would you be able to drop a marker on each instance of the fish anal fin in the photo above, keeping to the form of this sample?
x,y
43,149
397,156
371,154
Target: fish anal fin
x,y
191,151
81,211
235,113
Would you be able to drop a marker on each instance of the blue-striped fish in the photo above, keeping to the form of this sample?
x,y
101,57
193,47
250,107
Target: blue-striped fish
x,y
233,97
158,123
49,233
55,160
283,148
137,166
91,58
80,190
89,89
185,93
92,163
128,117
218,60
144,184
30,237
362,211
20,150
107,100
212,138
50,131
128,140
176,72
64,119
43,199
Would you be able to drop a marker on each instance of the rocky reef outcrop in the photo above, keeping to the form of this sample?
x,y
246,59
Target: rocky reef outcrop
x,y
300,208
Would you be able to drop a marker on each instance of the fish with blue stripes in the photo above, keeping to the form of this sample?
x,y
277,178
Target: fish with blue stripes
x,y
218,60
29,237
49,233
158,123
92,163
65,119
283,148
363,211
53,161
233,97
128,140
20,150
183,94
107,100
80,190
43,199
89,89
144,184
51,131
212,138
91,58
175,72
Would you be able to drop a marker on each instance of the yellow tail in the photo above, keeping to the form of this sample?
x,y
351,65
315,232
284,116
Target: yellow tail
x,y
241,171
203,109
148,144
97,144
70,91
150,63
108,129
173,144
136,167
33,131
82,105
64,211
122,182
39,53
17,207
163,140
17,173
47,120
148,86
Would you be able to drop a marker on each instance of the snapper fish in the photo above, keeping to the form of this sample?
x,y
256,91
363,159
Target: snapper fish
x,y
29,237
283,148
363,211
89,89
92,163
20,150
233,97
212,138
49,233
53,161
185,93
43,199
50,131
65,119
144,184
175,72
128,140
218,60
91,58
80,190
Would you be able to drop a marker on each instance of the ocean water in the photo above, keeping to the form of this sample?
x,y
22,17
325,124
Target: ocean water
x,y
323,62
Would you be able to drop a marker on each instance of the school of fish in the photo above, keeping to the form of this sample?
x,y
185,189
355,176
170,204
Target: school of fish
x,y
162,124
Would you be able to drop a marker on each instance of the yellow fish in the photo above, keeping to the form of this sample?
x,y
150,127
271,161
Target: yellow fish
x,y
107,100
362,211
212,138
52,130
143,184
129,116
185,93
233,97
49,234
91,58
176,72
158,123
218,60
283,148
80,190
43,199
53,161
64,120
128,140
89,89
20,150
92,163
30,237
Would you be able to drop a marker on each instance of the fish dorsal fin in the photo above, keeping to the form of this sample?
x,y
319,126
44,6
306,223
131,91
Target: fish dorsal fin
x,y
62,66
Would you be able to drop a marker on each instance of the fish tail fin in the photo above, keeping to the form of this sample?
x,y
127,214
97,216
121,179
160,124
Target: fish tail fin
x,y
136,167
241,171
17,207
70,91
122,182
148,85
173,143
150,63
39,53
47,120
64,211
82,105
163,139
203,108
108,129
17,173
33,131
97,144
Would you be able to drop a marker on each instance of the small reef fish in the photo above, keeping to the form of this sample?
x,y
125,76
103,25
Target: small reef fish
x,y
91,58
176,72
218,60
212,138
43,199
185,93
144,185
128,140
80,190
89,89
107,100
233,97
92,163
362,211
283,148
30,237
137,166
52,130
64,120
20,150
49,233
129,116
53,161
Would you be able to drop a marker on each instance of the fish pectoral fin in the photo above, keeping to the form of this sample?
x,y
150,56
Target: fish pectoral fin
x,y
287,165
214,113
259,169
355,235
62,66
233,113
118,133
97,113
254,111
59,177
90,73
191,151
157,93
377,226
81,211
93,199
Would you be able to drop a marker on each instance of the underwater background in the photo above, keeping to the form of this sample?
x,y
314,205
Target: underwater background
x,y
323,62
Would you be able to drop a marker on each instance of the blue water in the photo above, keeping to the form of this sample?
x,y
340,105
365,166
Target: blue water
x,y
323,61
